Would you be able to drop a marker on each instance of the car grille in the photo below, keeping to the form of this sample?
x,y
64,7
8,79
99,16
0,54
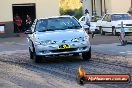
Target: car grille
x,y
128,24
64,50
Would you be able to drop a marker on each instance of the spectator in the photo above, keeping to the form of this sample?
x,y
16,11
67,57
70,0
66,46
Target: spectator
x,y
18,23
87,18
87,22
28,21
86,11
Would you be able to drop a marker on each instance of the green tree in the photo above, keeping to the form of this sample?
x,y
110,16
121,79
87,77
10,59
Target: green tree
x,y
71,7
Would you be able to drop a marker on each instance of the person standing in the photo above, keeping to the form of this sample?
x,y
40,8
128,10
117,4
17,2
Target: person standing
x,y
87,20
18,23
28,21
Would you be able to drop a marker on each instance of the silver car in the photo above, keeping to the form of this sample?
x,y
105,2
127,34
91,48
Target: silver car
x,y
62,35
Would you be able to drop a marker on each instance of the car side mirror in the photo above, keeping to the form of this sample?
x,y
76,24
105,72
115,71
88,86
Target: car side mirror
x,y
29,31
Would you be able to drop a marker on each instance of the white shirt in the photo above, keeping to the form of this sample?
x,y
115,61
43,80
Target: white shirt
x,y
87,18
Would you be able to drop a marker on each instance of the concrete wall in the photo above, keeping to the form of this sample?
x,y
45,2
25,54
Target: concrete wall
x,y
112,6
87,5
108,6
98,7
120,5
43,8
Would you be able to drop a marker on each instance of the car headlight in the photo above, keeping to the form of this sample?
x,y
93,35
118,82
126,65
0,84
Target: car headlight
x,y
75,40
37,43
78,39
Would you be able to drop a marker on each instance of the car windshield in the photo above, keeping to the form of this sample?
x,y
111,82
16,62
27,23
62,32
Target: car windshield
x,y
116,17
60,23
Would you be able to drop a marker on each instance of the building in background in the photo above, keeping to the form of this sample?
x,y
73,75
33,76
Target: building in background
x,y
100,7
34,8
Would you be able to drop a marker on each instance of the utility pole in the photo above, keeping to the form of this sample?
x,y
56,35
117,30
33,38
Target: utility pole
x,y
131,3
105,10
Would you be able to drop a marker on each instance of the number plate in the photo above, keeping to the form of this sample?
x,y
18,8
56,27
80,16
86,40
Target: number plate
x,y
64,46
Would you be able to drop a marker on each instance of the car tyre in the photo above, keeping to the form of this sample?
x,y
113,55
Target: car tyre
x,y
36,58
114,31
101,31
87,55
31,54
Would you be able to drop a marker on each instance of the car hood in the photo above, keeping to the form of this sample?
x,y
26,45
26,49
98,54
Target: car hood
x,y
93,23
58,35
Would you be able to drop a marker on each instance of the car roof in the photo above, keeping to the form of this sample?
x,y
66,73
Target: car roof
x,y
116,13
54,17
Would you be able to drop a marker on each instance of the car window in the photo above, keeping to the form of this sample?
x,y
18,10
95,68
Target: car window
x,y
95,18
116,17
83,19
59,23
108,18
40,25
105,17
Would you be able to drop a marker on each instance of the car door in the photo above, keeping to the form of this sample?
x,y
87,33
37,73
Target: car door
x,y
106,23
82,22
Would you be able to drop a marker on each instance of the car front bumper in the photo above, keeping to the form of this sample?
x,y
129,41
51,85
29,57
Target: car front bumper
x,y
126,29
50,50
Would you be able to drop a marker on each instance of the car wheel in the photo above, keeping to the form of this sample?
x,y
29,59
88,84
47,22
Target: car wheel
x,y
31,54
114,31
36,58
101,31
87,55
